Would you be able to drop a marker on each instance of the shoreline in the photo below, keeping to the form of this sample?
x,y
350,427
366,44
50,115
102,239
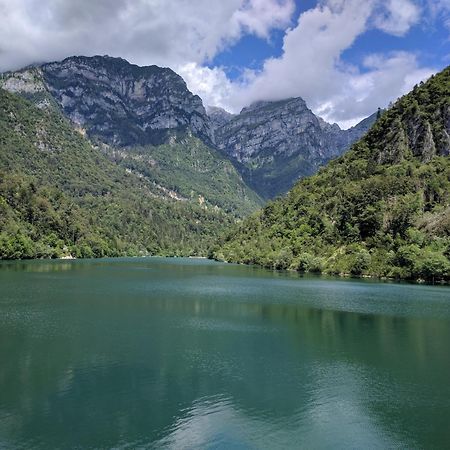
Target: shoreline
x,y
291,271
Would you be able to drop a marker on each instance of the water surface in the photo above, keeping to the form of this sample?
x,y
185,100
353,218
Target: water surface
x,y
180,353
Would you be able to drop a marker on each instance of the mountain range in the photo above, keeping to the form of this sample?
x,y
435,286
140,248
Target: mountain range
x,y
121,105
382,209
102,157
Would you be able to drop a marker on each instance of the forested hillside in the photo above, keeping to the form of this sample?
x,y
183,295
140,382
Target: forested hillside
x,y
383,209
60,195
273,144
146,119
192,171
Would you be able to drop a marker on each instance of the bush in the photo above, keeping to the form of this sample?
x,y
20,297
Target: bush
x,y
360,262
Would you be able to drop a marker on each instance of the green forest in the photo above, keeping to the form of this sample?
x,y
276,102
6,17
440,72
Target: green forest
x,y
193,170
60,196
382,210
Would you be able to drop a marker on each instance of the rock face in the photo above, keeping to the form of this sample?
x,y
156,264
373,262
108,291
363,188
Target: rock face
x,y
271,144
121,103
148,117
424,134
218,116
275,143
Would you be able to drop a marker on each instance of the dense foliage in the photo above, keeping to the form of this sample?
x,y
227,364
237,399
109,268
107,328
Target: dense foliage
x,y
383,209
193,171
61,196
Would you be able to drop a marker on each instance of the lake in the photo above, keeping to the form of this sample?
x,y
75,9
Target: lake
x,y
193,354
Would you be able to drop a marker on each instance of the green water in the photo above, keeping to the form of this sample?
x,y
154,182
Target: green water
x,y
177,353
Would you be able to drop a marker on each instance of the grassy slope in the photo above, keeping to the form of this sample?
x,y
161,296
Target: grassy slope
x,y
194,171
383,209
59,195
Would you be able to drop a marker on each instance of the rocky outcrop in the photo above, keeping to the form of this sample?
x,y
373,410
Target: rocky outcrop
x,y
417,126
120,103
218,116
272,144
276,143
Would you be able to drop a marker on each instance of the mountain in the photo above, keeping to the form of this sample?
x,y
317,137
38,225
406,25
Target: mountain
x,y
274,143
61,195
143,118
382,209
120,103
218,116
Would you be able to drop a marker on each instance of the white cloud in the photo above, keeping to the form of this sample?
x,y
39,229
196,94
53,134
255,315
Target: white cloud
x,y
164,32
311,52
259,16
212,85
311,65
385,78
439,9
397,16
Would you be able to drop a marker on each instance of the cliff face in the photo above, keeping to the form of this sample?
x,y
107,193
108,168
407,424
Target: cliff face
x,y
120,103
125,104
276,143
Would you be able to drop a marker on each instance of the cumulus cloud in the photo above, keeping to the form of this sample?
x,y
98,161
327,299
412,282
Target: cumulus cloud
x,y
187,34
397,16
311,64
211,84
386,77
164,32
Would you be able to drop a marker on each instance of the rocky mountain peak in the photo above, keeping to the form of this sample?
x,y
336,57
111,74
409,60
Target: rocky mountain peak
x,y
274,143
125,104
264,106
121,103
218,116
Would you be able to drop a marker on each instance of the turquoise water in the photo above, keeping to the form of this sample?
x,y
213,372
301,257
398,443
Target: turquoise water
x,y
182,353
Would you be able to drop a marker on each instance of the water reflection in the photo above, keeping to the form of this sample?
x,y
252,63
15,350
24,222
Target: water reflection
x,y
120,354
36,266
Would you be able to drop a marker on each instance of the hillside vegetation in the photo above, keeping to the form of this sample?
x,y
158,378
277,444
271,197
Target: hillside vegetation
x,y
59,196
383,209
193,171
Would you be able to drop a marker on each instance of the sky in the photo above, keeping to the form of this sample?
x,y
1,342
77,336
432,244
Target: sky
x,y
346,58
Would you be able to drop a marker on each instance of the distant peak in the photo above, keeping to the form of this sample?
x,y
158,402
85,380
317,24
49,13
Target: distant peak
x,y
216,110
261,104
113,63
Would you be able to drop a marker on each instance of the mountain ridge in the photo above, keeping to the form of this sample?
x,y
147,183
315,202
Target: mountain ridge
x,y
138,112
382,209
274,143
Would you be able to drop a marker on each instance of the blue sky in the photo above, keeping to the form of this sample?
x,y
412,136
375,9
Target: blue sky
x,y
346,58
424,37
429,39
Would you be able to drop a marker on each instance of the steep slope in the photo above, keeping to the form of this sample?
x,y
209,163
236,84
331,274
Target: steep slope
x,y
382,209
192,171
273,144
146,119
60,195
218,116
123,104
